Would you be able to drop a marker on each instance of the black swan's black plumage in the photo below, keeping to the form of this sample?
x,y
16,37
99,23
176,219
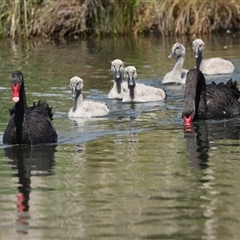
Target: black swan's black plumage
x,y
28,125
212,101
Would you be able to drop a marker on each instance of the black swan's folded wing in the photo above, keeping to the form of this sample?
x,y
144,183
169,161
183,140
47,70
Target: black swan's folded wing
x,y
39,124
222,100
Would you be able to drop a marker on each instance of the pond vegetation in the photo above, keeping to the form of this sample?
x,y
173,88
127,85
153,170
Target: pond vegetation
x,y
49,18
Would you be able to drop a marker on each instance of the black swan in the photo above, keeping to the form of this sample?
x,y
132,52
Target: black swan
x,y
211,66
28,125
212,101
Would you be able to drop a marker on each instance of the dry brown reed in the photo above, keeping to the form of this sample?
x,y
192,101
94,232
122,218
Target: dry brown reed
x,y
116,17
181,17
15,16
59,17
97,17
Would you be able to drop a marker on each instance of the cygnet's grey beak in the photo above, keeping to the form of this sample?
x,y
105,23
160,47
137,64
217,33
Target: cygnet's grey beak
x,y
73,93
171,55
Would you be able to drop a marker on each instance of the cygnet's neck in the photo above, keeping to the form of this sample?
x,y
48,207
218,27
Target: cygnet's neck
x,y
179,64
131,87
118,84
199,60
78,101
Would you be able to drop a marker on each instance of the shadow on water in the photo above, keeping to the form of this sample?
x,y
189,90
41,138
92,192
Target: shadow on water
x,y
28,161
201,138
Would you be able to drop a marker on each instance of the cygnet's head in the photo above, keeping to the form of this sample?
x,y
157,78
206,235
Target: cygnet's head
x,y
130,72
76,85
117,66
197,46
178,50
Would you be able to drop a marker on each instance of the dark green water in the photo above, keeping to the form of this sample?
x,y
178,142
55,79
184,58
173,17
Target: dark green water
x,y
133,174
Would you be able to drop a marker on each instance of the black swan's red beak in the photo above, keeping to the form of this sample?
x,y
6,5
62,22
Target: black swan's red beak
x,y
15,92
187,120
188,123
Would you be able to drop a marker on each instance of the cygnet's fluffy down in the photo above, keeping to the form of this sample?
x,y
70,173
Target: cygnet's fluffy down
x,y
178,74
84,109
117,91
138,92
210,66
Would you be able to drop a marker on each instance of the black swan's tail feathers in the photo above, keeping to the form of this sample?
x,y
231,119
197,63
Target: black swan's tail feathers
x,y
213,83
40,103
44,105
230,85
234,86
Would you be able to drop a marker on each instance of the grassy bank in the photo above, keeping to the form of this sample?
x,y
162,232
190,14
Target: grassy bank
x,y
62,18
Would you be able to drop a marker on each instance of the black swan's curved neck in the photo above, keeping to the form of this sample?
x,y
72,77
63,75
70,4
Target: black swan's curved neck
x,y
200,96
20,108
195,94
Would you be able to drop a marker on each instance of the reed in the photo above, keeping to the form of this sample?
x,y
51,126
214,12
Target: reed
x,y
97,17
116,17
15,16
180,17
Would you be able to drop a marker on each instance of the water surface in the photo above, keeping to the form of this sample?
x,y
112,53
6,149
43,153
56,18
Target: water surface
x,y
133,174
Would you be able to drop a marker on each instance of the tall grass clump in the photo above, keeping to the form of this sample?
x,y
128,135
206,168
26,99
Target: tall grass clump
x,y
63,18
99,17
122,17
182,17
16,15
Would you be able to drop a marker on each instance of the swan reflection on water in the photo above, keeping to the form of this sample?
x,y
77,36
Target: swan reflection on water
x,y
202,135
28,161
